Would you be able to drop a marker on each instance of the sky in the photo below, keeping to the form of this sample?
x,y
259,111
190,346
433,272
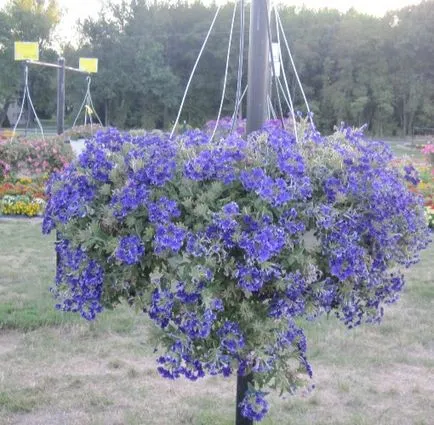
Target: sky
x,y
80,9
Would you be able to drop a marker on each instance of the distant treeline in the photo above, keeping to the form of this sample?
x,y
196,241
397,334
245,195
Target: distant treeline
x,y
354,67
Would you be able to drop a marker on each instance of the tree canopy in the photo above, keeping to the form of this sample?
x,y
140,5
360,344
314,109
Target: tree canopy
x,y
354,67
27,20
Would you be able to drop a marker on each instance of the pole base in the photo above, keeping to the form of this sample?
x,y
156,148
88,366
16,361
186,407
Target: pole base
x,y
242,386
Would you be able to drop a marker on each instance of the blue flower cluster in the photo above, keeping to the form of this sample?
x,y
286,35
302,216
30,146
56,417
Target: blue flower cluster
x,y
130,250
229,246
95,159
69,195
254,406
79,281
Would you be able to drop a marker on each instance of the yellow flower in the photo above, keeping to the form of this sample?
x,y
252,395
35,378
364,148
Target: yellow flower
x,y
25,180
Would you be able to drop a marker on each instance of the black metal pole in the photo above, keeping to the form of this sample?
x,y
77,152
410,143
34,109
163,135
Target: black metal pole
x,y
258,72
242,386
258,77
60,117
61,96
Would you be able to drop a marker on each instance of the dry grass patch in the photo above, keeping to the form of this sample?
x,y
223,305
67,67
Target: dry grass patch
x,y
58,369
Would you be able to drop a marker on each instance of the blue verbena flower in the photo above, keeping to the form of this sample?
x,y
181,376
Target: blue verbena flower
x,y
130,250
130,197
254,406
161,308
94,158
79,281
168,237
163,210
231,338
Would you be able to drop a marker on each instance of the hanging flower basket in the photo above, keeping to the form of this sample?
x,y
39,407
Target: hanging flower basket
x,y
231,246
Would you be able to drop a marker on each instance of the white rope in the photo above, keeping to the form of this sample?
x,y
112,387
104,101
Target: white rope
x,y
81,107
26,72
240,68
273,67
284,95
272,112
92,106
242,97
225,81
89,108
290,102
294,68
194,70
26,95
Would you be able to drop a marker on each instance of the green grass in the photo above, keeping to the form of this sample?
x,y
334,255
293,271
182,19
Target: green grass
x,y
405,148
56,368
27,266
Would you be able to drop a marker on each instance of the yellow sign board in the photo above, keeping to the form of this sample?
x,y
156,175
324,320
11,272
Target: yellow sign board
x,y
26,50
88,65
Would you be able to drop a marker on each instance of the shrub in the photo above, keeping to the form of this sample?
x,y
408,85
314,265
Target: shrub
x,y
231,246
428,151
429,211
4,170
35,157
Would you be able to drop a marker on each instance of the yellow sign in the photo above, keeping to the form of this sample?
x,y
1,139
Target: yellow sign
x,y
88,65
26,50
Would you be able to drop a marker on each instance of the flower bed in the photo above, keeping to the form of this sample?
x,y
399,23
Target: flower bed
x,y
24,186
21,205
23,196
428,151
425,186
19,158
34,157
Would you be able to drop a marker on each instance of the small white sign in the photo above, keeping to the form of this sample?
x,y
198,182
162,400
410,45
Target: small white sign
x,y
275,54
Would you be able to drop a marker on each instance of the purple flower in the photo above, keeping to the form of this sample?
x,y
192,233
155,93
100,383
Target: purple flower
x,y
94,158
231,208
263,244
250,278
129,198
195,325
130,250
161,307
231,338
79,281
254,406
163,210
168,237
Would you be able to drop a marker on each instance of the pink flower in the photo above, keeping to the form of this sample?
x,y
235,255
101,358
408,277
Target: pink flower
x,y
427,149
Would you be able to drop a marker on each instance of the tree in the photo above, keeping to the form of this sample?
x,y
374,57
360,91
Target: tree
x,y
26,20
410,49
354,67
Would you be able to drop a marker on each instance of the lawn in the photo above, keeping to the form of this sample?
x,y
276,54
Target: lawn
x,y
57,369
